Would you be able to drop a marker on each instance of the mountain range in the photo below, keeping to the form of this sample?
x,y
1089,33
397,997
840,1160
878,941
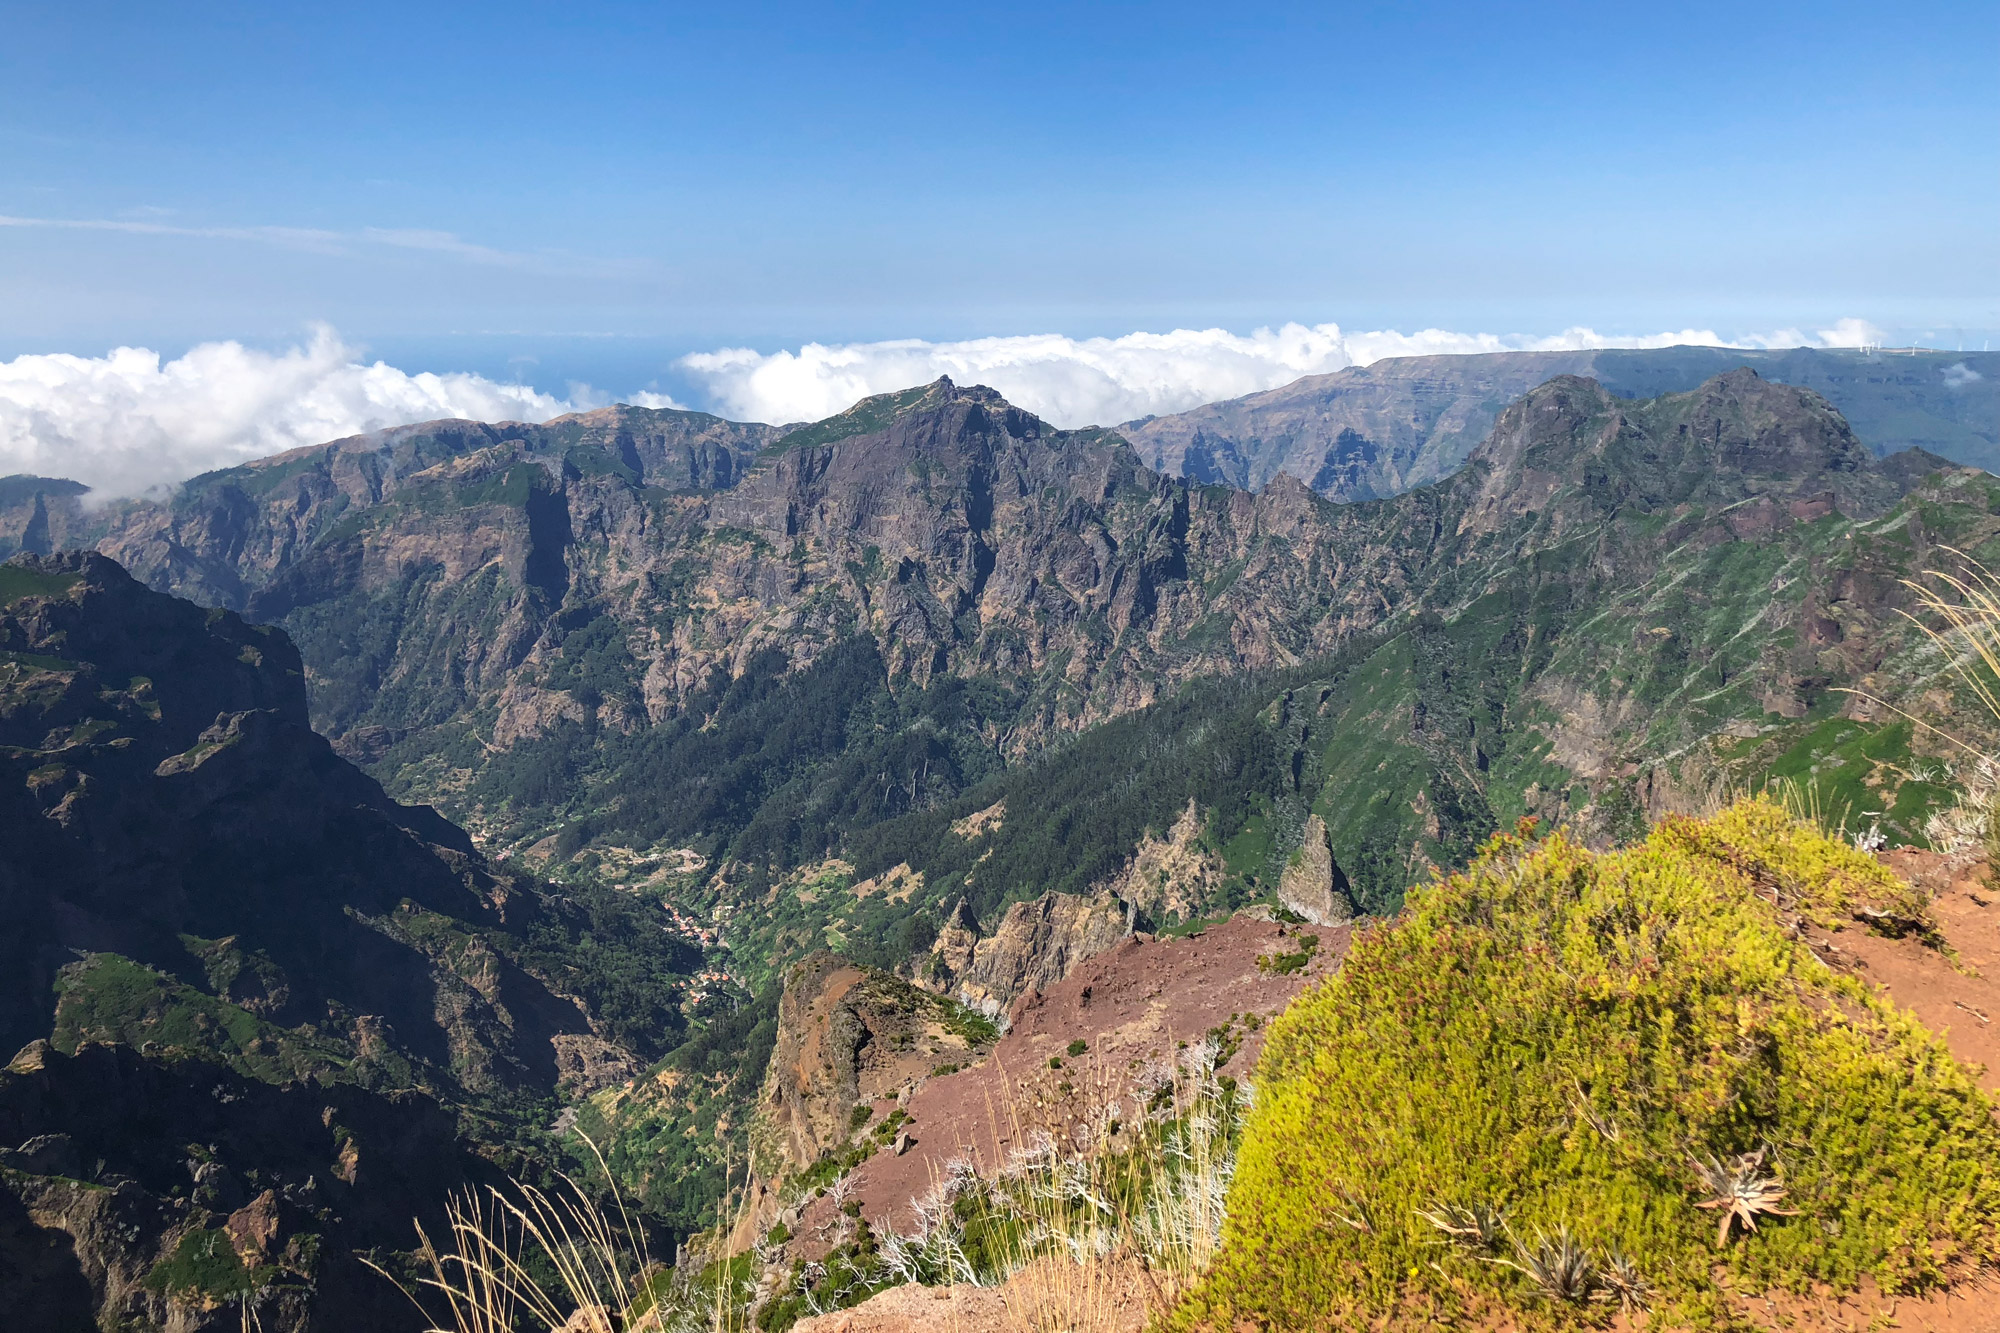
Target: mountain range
x,y
929,683
1372,431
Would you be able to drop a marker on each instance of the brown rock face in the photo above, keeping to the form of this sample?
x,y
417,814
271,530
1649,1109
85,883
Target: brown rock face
x,y
1173,873
1312,885
585,1064
1038,943
848,1036
254,1228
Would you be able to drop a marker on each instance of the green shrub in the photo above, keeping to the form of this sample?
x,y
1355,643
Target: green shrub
x,y
204,1263
1554,1037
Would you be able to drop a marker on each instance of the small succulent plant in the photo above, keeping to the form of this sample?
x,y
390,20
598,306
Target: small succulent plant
x,y
1624,1283
1559,1265
1741,1190
1478,1226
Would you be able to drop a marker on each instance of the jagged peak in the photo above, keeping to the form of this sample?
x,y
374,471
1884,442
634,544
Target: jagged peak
x,y
1734,408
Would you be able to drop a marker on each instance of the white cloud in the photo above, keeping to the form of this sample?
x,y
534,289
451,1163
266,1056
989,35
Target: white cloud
x,y
127,422
1075,382
1958,375
131,421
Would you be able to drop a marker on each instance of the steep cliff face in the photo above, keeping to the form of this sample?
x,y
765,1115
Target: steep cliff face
x,y
177,830
1036,944
252,994
849,1036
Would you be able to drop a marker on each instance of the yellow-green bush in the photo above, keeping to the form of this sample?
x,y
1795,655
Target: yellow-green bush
x,y
1559,1033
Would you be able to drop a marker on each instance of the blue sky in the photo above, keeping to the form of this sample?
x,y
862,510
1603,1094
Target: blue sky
x,y
773,173
558,193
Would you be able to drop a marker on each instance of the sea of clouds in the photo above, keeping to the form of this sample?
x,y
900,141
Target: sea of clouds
x,y
131,421
1102,381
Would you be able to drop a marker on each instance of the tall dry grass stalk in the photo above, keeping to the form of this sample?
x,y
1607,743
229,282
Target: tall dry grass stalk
x,y
1964,612
1968,605
1118,1211
528,1260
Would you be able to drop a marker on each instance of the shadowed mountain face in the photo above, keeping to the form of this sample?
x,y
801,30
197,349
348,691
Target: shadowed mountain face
x,y
170,806
1376,430
265,1015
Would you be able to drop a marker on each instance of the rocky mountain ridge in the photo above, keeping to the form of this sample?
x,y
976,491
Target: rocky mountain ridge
x,y
508,613
1373,431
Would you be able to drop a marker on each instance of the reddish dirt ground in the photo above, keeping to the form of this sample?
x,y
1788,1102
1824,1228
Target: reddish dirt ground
x,y
1962,1003
1108,1301
1131,1005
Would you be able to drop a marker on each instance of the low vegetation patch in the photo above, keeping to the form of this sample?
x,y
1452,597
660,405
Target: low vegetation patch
x,y
1565,1084
204,1264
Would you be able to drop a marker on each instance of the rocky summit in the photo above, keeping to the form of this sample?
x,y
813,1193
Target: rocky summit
x,y
683,798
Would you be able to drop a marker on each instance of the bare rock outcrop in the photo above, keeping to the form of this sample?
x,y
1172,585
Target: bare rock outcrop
x,y
1313,885
587,1064
1171,874
1036,945
848,1036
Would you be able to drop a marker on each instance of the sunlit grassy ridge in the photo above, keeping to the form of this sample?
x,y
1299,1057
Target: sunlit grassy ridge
x,y
1561,1034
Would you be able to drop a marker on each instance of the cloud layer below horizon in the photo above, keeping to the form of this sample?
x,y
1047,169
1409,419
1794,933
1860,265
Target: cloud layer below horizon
x,y
131,421
1103,381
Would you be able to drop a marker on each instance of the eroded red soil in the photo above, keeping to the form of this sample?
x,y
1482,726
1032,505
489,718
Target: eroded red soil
x,y
1132,1007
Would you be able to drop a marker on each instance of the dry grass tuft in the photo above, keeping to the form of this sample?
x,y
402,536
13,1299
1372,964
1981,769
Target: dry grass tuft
x,y
529,1260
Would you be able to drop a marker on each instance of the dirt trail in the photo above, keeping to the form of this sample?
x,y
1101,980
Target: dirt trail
x,y
1962,1003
